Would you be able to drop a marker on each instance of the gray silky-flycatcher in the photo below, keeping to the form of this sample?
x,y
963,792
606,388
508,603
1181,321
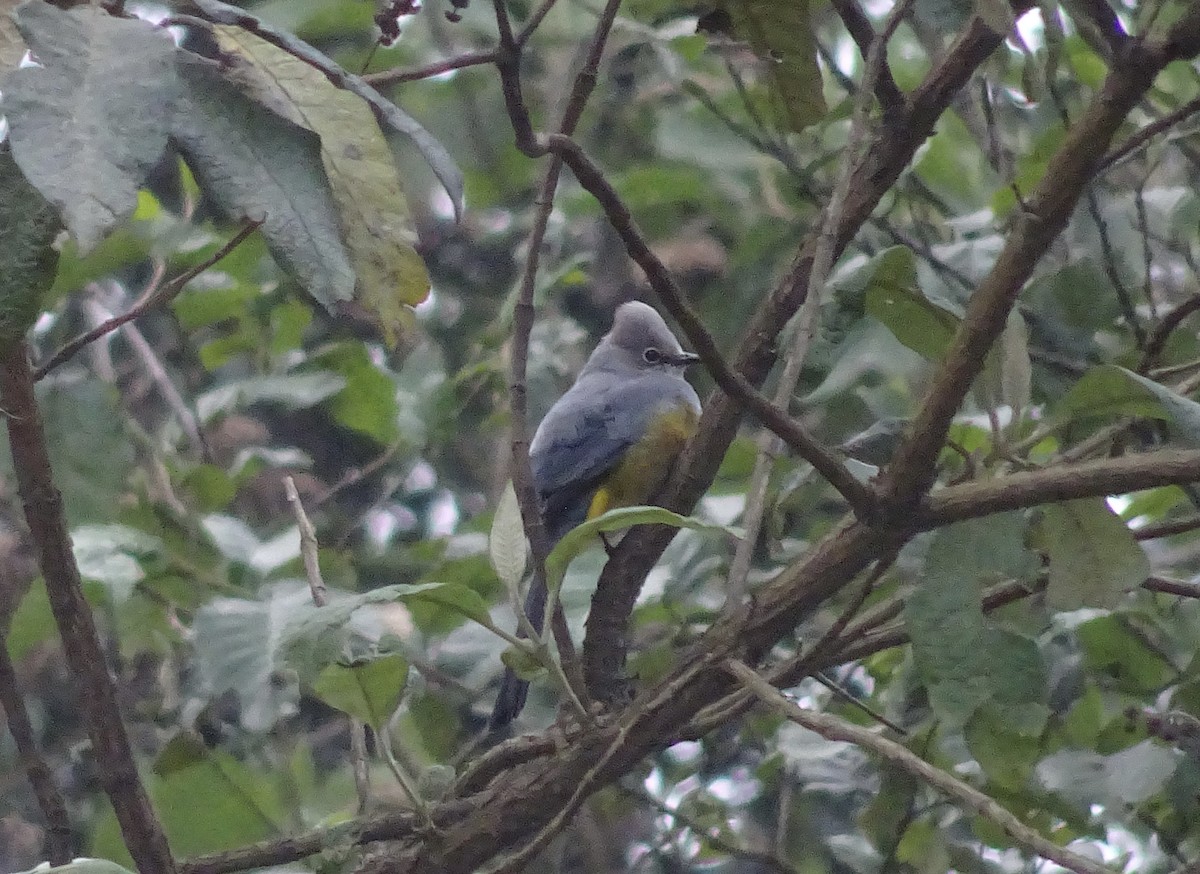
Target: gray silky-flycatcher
x,y
610,441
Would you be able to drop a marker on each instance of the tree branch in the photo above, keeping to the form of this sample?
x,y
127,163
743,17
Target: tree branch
x,y
1046,213
43,513
154,296
832,728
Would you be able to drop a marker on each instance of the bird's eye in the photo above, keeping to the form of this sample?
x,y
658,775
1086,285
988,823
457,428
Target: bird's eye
x,y
652,356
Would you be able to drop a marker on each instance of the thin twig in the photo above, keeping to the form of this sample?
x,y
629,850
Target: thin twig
x,y
437,68
153,297
1149,132
805,322
1163,330
1167,528
832,728
309,554
710,834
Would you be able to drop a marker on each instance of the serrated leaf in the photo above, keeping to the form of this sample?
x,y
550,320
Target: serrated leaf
x,y
577,539
368,690
506,543
28,226
258,165
375,222
1110,390
781,35
90,123
1094,558
952,643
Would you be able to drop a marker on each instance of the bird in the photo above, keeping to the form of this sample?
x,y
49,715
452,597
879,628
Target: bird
x,y
609,442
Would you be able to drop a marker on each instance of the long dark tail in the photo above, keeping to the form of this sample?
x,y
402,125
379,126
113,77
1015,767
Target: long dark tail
x,y
513,690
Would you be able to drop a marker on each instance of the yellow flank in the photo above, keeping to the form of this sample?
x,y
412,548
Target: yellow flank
x,y
646,465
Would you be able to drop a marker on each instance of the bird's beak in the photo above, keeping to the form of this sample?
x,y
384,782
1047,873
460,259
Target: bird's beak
x,y
684,359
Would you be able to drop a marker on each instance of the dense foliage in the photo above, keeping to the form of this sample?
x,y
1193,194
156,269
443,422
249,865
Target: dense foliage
x,y
962,272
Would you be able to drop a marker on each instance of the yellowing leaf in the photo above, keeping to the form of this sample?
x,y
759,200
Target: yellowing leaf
x,y
781,34
12,47
374,216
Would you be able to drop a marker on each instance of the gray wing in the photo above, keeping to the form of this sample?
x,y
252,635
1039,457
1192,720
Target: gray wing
x,y
587,433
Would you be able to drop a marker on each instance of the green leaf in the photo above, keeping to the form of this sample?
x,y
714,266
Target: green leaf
x,y
781,35
258,165
1123,655
237,644
1006,754
367,403
1109,390
1007,379
90,123
89,451
952,644
376,226
316,636
397,121
28,226
580,537
1094,558
368,689
894,298
506,544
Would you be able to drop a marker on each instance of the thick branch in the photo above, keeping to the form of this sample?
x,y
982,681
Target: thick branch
x,y
1108,476
1046,213
44,514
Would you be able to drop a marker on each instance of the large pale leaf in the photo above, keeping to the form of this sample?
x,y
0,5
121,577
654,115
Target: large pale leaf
x,y
1122,779
375,222
238,648
1094,558
257,164
389,114
28,226
92,120
781,35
